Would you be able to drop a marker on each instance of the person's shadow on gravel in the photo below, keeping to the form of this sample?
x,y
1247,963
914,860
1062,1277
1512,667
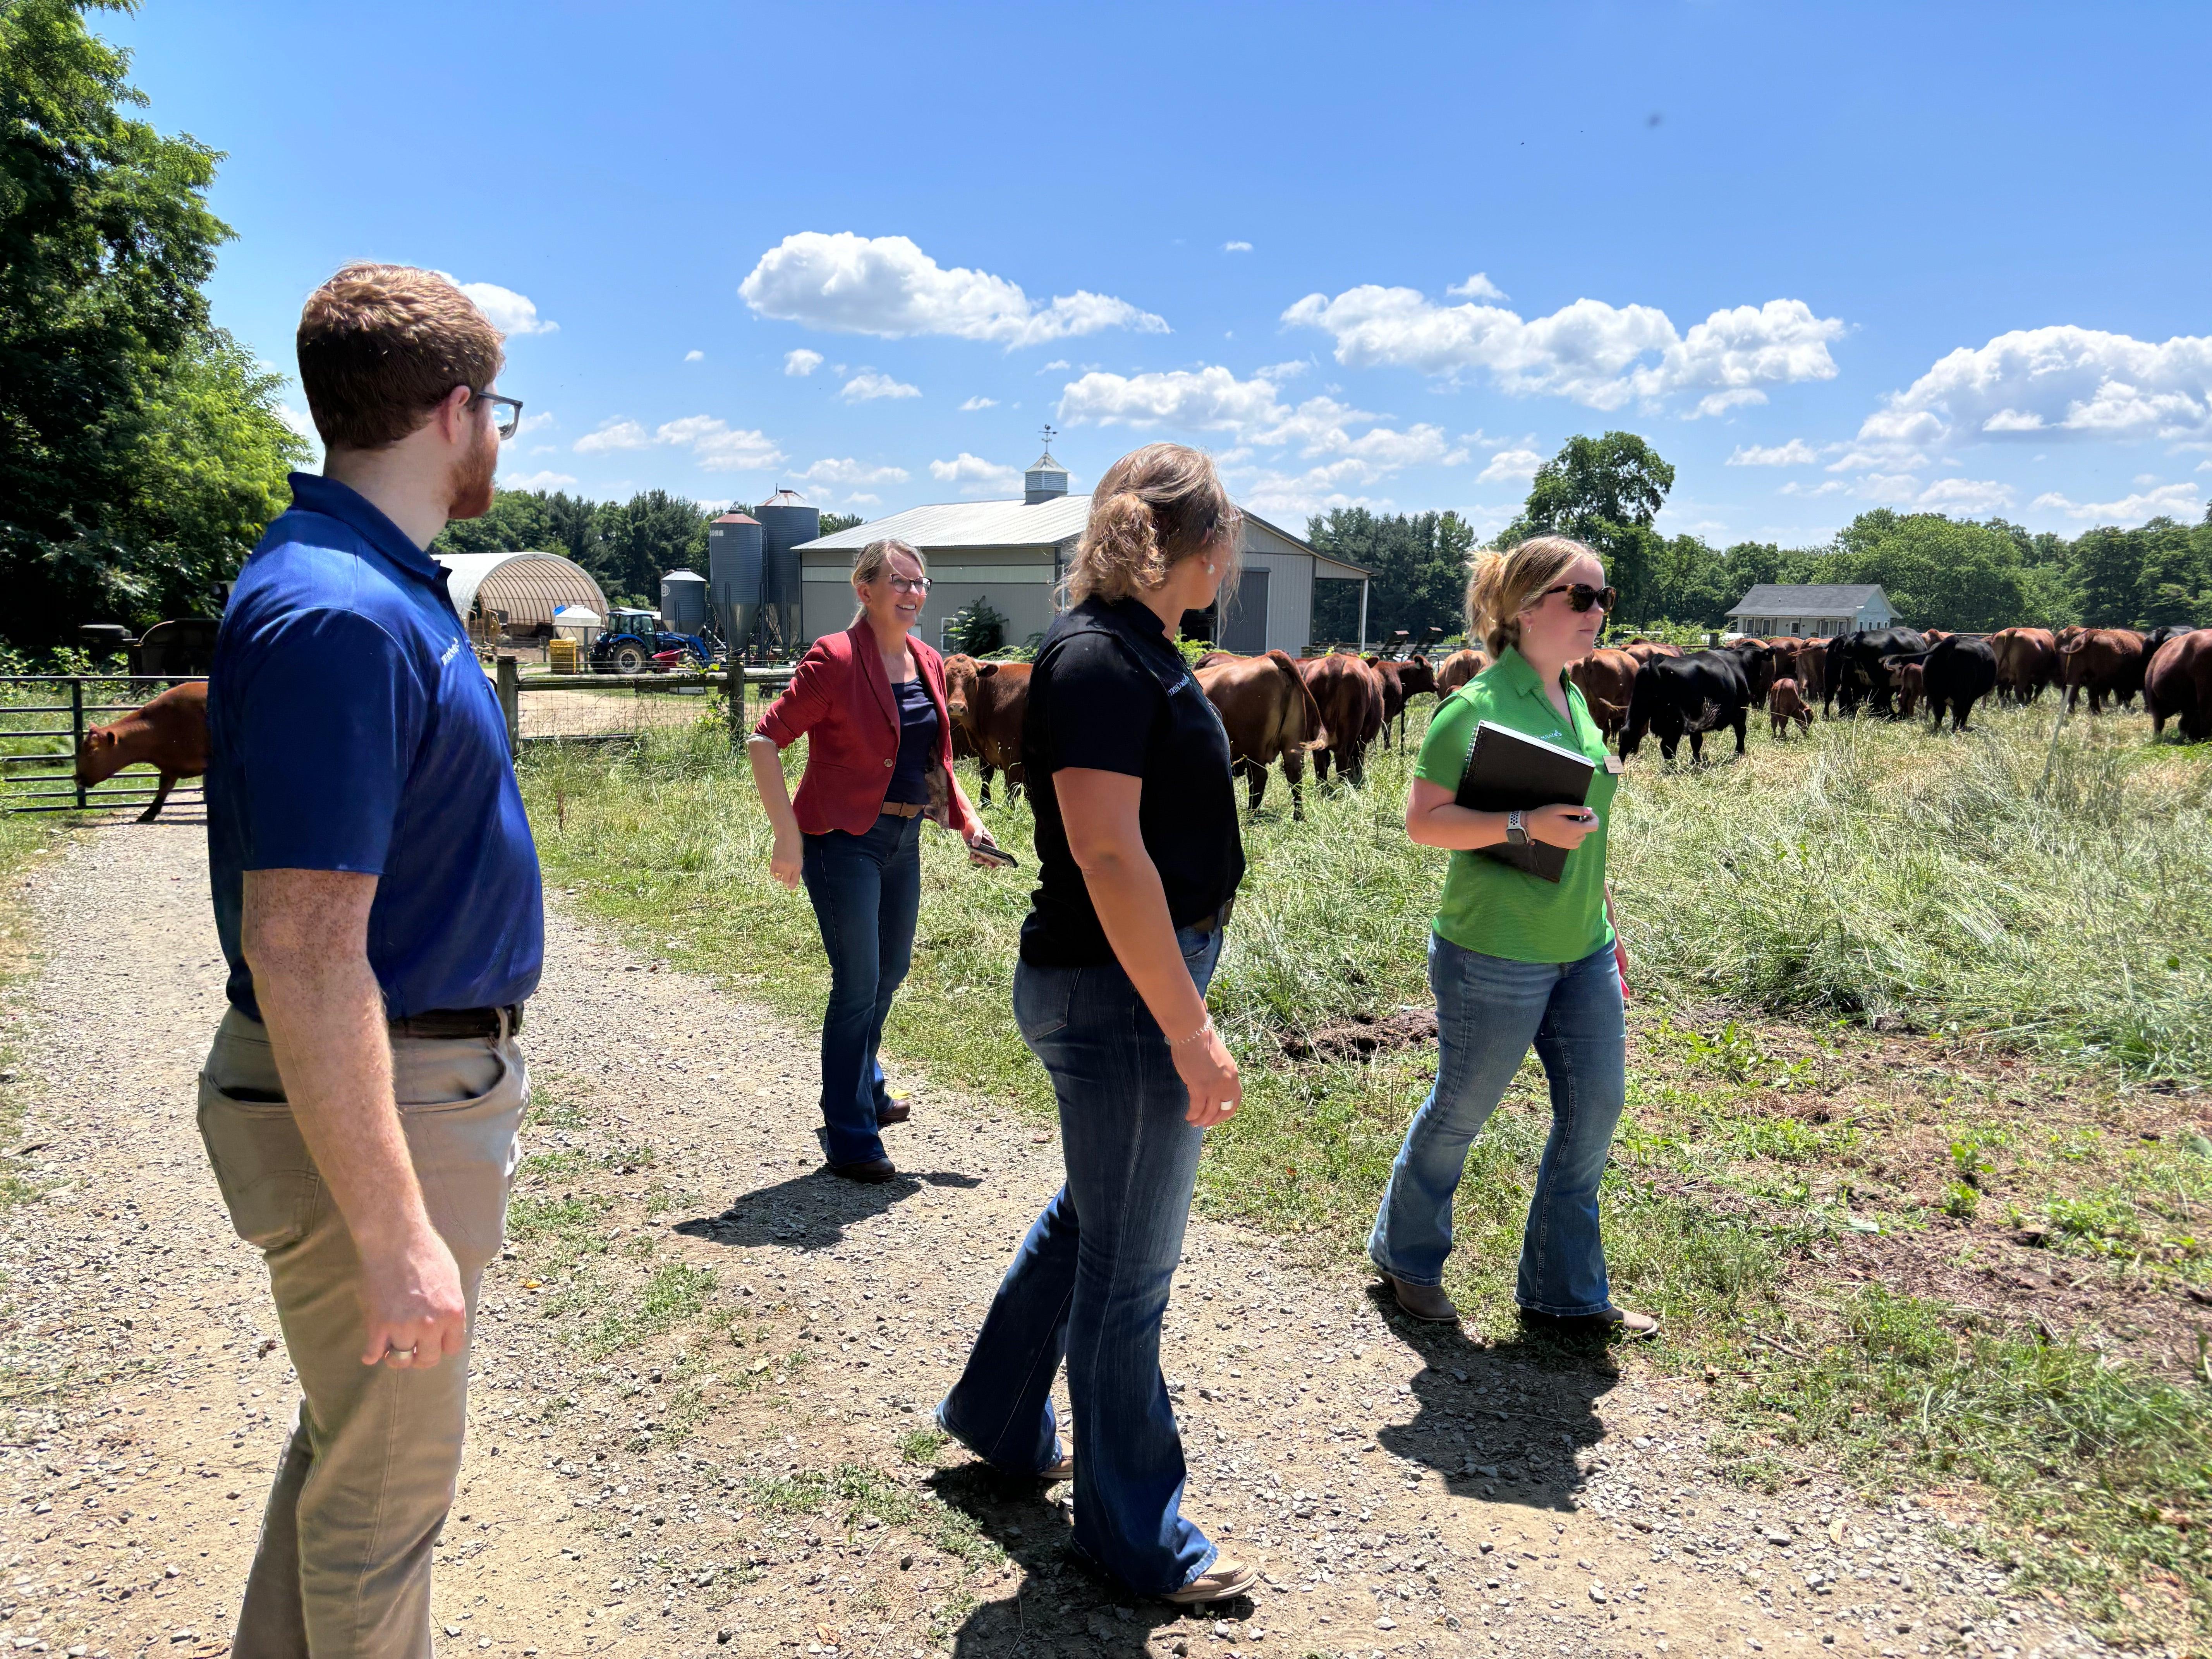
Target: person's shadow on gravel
x,y
811,1211
1064,1606
1502,1422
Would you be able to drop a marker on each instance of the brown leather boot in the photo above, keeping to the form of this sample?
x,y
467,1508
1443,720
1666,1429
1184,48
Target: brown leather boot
x,y
1427,1301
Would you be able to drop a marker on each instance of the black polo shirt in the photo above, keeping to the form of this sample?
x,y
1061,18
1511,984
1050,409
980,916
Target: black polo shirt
x,y
1111,693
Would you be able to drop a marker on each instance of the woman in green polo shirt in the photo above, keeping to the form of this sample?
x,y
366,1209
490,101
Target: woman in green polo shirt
x,y
1515,959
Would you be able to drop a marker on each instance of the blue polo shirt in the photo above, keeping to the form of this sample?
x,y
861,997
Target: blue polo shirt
x,y
351,729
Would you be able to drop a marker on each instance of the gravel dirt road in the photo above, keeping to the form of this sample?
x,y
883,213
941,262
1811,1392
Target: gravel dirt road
x,y
704,1369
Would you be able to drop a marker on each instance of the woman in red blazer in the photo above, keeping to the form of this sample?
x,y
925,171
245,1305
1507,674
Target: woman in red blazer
x,y
871,704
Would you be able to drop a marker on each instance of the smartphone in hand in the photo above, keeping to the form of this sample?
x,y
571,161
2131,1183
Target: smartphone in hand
x,y
991,853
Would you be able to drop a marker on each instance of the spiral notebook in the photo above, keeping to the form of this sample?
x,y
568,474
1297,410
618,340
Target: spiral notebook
x,y
1508,770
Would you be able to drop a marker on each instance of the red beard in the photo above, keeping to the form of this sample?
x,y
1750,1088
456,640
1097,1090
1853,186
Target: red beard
x,y
471,483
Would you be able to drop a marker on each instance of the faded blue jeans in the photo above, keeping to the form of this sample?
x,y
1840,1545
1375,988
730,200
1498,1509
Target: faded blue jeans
x,y
1489,1009
867,892
1090,1282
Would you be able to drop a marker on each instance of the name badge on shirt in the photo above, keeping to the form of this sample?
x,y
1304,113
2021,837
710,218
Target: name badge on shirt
x,y
1613,764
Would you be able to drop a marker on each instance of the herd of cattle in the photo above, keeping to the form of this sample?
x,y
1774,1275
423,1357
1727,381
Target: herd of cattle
x,y
1277,708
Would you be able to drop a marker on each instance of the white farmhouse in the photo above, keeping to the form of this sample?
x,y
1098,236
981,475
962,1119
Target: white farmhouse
x,y
1014,554
1814,610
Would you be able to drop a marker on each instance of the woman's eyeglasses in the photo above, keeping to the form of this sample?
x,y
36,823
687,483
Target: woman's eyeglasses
x,y
506,412
901,585
1581,595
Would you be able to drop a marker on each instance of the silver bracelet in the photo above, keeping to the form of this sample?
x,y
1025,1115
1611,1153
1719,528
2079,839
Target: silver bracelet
x,y
1205,1029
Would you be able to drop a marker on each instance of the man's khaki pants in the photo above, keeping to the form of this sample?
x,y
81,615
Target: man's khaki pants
x,y
343,1567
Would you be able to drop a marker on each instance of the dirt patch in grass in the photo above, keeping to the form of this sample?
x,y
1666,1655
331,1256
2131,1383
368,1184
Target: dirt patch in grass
x,y
1363,1036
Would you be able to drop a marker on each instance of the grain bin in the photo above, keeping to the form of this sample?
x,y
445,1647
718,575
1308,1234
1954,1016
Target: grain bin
x,y
785,521
733,576
683,602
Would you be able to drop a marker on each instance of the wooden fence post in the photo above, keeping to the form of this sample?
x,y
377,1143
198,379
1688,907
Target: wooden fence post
x,y
735,697
510,702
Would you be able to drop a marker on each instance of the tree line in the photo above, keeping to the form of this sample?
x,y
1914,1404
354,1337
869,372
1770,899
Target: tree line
x,y
1972,575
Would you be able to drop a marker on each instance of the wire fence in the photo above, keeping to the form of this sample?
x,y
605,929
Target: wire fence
x,y
616,708
43,721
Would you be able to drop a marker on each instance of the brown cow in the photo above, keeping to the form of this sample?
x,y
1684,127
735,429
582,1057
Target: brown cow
x,y
1215,659
1269,715
2028,661
1403,679
171,732
1349,695
1910,680
1458,668
2177,685
986,700
1644,650
1811,672
1607,678
2105,662
1785,703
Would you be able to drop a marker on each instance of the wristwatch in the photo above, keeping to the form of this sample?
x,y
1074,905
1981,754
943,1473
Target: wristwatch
x,y
1516,832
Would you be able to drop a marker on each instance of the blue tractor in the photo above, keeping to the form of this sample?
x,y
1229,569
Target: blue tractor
x,y
633,642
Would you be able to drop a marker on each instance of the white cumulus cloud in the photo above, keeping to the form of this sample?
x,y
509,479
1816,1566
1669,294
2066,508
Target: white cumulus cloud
x,y
802,362
1236,247
719,447
887,286
509,311
1509,464
867,386
1593,353
545,480
613,436
695,356
1479,287
849,474
2054,383
1795,453
2176,501
975,476
977,403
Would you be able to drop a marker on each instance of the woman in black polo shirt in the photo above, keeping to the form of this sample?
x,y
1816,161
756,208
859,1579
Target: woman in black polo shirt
x,y
1139,858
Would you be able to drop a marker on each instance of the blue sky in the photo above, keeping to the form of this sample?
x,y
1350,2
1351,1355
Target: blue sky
x,y
1823,256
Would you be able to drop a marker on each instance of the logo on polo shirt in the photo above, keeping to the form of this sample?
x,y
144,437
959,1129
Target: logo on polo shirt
x,y
451,651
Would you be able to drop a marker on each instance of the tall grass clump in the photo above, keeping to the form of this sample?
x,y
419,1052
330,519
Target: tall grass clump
x,y
2043,887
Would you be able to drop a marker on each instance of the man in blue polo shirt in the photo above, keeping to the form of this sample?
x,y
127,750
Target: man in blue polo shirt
x,y
376,891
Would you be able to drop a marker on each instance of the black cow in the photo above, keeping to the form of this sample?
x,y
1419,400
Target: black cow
x,y
2154,637
1689,695
1856,674
1758,671
1957,672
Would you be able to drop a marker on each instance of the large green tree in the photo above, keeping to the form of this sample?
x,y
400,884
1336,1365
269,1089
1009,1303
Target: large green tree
x,y
140,448
1605,491
1420,565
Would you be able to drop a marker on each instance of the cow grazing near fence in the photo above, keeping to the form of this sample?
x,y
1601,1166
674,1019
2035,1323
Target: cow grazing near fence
x,y
2105,662
1349,695
1404,678
1606,679
1270,715
1688,697
2177,685
2028,661
171,733
1785,703
1458,668
987,701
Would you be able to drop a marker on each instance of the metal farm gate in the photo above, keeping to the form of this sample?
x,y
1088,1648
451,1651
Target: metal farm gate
x,y
43,720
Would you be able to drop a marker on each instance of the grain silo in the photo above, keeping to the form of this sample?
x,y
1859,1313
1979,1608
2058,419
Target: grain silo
x,y
733,576
683,602
785,522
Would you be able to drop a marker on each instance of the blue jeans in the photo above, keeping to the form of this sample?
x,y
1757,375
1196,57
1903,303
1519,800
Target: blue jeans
x,y
867,892
1090,1282
1488,1011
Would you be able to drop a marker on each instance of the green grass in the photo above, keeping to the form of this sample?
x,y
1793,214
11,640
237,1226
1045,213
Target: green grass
x,y
2009,893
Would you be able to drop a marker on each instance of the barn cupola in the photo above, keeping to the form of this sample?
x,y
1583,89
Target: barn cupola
x,y
1046,479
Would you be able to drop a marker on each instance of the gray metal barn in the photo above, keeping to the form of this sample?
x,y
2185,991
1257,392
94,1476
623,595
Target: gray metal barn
x,y
1014,554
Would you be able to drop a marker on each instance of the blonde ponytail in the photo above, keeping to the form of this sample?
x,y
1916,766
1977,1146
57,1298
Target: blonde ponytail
x,y
1154,507
1501,586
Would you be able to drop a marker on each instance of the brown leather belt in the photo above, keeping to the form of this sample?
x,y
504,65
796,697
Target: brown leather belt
x,y
903,809
1213,923
451,1024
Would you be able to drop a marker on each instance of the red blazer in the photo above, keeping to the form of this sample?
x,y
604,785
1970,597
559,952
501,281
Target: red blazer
x,y
840,699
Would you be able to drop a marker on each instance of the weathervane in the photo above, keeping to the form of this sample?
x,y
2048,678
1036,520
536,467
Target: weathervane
x,y
1049,435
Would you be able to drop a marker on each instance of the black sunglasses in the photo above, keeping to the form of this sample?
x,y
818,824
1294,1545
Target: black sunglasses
x,y
507,412
1581,595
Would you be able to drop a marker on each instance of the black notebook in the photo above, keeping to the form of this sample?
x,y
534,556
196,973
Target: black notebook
x,y
1508,770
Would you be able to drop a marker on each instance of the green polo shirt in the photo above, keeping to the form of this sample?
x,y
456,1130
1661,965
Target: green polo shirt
x,y
1493,908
